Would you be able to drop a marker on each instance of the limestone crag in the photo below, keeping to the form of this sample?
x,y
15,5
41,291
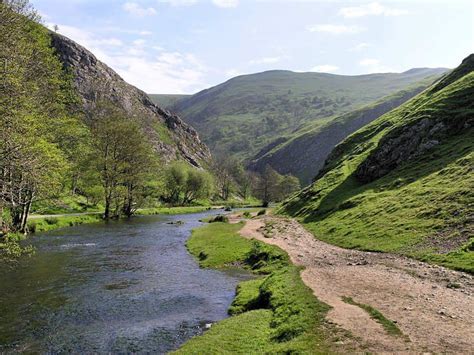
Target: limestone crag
x,y
94,82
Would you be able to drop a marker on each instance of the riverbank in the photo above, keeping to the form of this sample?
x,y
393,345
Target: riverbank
x,y
370,293
274,313
45,223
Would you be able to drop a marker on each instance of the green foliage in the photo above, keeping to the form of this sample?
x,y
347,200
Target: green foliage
x,y
274,314
219,218
303,152
37,225
184,184
246,113
420,200
38,136
171,210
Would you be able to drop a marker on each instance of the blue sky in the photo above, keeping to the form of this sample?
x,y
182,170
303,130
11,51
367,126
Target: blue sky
x,y
183,46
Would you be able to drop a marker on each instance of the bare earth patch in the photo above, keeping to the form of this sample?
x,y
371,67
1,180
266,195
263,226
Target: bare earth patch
x,y
433,306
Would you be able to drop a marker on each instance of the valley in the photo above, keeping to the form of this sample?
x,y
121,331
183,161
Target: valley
x,y
223,177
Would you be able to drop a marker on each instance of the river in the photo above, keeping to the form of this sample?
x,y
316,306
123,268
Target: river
x,y
121,287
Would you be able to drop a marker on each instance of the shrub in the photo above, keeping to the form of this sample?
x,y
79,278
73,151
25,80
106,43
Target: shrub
x,y
262,212
51,220
219,218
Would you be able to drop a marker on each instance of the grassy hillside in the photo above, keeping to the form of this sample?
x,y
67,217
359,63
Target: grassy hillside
x,y
165,100
405,182
303,153
246,113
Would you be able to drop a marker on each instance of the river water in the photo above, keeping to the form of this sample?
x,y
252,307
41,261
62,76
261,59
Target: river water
x,y
122,287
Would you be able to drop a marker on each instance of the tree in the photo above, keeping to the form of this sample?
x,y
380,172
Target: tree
x,y
268,185
288,185
123,159
175,181
33,102
185,184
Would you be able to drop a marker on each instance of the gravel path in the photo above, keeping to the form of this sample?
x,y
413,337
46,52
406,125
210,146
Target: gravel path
x,y
433,306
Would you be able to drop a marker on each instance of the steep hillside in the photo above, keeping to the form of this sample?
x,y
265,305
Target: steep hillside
x,y
165,100
303,153
405,182
244,114
94,82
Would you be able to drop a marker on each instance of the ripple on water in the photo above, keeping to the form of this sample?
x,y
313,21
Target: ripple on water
x,y
123,287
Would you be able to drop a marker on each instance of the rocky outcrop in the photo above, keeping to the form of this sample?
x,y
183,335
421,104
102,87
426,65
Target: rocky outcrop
x,y
408,142
95,82
426,126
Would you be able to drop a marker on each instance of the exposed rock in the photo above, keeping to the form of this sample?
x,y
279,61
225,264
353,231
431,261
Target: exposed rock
x,y
94,81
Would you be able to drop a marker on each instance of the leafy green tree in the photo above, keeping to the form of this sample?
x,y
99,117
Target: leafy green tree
x,y
123,158
33,100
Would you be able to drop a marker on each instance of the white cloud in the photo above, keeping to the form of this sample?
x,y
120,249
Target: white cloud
x,y
325,68
179,2
371,9
265,60
226,3
359,47
161,73
369,61
139,42
374,66
232,73
335,29
137,10
145,33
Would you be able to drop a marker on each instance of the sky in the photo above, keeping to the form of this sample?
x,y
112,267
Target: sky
x,y
184,46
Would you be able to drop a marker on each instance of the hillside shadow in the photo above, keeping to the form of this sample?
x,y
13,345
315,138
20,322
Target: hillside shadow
x,y
344,195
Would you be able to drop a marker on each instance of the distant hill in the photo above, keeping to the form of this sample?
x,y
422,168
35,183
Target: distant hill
x,y
246,113
165,100
405,182
303,153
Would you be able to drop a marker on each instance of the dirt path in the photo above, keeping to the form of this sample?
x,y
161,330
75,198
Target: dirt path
x,y
431,305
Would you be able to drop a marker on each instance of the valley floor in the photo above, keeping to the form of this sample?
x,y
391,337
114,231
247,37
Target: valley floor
x,y
431,305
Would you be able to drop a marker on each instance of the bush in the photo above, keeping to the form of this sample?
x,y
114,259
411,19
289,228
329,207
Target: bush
x,y
51,220
261,212
247,214
219,218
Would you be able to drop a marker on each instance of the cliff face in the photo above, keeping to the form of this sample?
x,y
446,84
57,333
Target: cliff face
x,y
94,81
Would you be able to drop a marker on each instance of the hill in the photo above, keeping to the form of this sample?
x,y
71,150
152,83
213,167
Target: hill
x,y
404,183
94,82
165,100
246,113
303,153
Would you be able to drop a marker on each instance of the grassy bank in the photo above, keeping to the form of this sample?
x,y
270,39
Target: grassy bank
x,y
171,210
49,223
376,194
274,313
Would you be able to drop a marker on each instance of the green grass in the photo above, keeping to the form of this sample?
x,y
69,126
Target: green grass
x,y
245,114
422,207
65,204
219,245
303,152
275,313
49,223
171,210
389,326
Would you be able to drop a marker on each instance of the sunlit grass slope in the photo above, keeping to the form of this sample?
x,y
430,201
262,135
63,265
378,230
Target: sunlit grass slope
x,y
405,182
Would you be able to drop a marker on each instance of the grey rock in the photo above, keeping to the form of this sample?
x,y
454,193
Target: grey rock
x,y
94,81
